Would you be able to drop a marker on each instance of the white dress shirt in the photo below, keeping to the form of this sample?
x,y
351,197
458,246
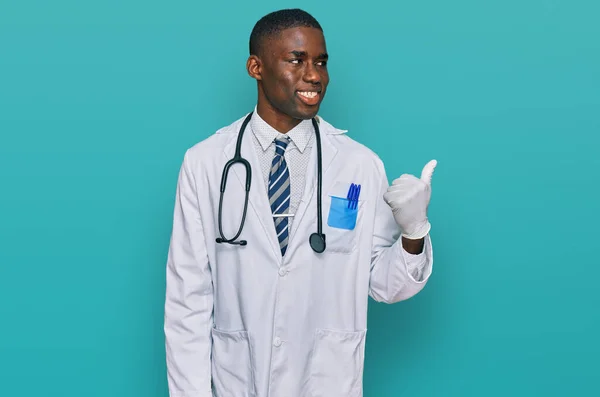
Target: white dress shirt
x,y
297,154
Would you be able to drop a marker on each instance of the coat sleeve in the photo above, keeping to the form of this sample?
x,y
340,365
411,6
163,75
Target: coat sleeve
x,y
189,297
396,275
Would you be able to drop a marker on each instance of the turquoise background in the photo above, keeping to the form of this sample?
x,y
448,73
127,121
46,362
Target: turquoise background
x,y
100,99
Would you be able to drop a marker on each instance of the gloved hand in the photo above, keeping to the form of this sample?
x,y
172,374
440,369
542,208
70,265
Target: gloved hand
x,y
408,197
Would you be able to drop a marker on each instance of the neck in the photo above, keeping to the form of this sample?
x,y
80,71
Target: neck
x,y
275,118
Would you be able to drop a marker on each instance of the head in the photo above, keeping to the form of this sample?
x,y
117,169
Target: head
x,y
288,59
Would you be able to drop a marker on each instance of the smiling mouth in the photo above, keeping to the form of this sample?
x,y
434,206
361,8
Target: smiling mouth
x,y
310,98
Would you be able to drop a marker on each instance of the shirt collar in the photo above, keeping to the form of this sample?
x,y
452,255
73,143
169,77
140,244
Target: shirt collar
x,y
300,135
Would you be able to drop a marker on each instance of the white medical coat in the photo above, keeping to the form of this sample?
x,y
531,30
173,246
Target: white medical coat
x,y
243,321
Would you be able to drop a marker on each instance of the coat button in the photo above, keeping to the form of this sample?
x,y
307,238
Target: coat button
x,y
282,272
277,341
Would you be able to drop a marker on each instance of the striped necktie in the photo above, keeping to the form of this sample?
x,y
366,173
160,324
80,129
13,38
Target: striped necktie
x,y
279,192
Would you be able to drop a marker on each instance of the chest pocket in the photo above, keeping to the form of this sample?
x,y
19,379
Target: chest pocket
x,y
343,224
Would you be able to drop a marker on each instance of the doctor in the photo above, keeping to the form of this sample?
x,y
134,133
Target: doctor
x,y
278,309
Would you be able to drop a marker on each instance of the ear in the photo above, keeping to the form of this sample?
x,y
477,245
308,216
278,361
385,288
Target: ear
x,y
254,67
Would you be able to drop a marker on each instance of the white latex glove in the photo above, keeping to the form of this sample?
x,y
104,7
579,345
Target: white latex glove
x,y
408,197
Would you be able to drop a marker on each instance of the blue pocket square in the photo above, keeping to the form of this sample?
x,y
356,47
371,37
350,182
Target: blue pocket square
x,y
340,216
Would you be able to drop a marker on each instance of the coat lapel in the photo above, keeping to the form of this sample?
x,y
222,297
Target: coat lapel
x,y
258,200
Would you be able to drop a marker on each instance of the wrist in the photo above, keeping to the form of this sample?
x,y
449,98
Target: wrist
x,y
414,247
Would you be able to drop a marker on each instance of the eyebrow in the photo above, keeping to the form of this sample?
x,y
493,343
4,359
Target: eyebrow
x,y
303,54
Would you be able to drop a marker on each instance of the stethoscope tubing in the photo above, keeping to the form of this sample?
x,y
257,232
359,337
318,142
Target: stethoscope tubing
x,y
316,240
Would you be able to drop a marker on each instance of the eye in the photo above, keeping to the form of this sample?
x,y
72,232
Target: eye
x,y
322,63
296,61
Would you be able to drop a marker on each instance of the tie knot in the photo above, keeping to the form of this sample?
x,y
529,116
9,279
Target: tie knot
x,y
281,144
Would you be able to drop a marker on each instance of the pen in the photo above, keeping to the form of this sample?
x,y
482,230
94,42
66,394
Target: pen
x,y
350,194
357,195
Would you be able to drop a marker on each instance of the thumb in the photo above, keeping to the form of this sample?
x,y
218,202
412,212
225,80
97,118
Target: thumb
x,y
428,171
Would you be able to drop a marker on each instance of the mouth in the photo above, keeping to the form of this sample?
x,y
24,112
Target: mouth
x,y
309,98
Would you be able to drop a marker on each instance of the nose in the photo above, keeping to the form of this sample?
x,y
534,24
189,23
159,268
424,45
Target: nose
x,y
311,74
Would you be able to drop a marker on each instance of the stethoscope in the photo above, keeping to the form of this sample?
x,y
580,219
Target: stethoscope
x,y
316,240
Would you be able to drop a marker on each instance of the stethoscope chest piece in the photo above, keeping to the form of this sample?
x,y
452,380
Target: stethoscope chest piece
x,y
317,242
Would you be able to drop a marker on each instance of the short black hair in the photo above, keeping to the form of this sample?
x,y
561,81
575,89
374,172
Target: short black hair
x,y
277,21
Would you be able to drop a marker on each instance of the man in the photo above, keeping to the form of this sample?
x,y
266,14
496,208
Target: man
x,y
275,317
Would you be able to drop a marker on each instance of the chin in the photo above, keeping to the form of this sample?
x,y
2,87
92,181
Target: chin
x,y
307,114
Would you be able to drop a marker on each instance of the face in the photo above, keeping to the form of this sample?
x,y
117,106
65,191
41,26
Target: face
x,y
292,74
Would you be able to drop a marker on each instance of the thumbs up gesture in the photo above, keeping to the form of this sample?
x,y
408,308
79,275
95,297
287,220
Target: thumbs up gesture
x,y
408,197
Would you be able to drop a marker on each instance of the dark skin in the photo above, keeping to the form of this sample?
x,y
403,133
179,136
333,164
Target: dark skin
x,y
290,64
